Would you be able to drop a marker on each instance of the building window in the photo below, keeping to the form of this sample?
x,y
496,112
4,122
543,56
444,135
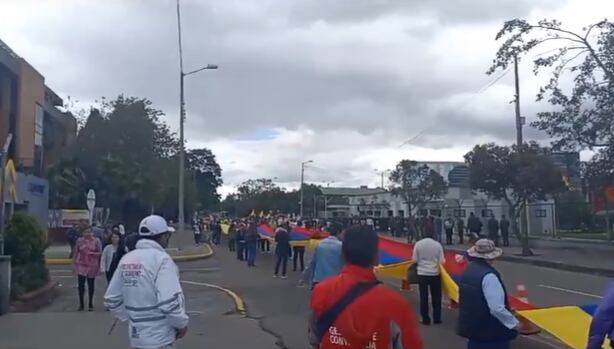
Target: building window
x,y
459,213
401,213
422,212
541,213
390,213
436,213
486,213
38,126
377,213
369,213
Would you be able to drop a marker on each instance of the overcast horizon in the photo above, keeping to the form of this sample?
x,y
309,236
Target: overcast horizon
x,y
343,83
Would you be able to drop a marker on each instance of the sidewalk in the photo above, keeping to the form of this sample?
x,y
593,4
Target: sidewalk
x,y
558,254
181,248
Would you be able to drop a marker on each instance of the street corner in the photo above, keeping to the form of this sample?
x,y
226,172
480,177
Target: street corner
x,y
184,255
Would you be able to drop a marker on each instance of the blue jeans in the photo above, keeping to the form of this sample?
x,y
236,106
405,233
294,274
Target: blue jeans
x,y
488,345
252,249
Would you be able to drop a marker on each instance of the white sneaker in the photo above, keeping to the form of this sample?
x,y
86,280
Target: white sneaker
x,y
274,276
284,277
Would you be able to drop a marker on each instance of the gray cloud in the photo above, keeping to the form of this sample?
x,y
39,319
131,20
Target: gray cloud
x,y
361,75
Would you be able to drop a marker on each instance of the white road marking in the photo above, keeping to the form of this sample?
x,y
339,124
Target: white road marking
x,y
571,291
187,270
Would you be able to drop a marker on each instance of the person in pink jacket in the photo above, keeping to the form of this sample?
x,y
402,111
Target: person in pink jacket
x,y
86,260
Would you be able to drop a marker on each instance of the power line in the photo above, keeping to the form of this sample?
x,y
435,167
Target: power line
x,y
467,101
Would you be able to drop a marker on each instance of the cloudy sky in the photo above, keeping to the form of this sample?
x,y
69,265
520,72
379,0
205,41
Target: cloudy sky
x,y
341,82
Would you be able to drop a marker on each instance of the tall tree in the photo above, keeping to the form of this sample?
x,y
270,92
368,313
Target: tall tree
x,y
599,174
417,184
129,156
582,117
517,175
206,175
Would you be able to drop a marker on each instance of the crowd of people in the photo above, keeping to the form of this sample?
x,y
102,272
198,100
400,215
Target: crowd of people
x,y
349,306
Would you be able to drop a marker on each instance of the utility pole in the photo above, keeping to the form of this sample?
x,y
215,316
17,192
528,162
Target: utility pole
x,y
382,174
519,119
180,216
182,75
301,200
524,215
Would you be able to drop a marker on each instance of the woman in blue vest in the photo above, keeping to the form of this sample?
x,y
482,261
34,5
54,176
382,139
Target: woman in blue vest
x,y
484,317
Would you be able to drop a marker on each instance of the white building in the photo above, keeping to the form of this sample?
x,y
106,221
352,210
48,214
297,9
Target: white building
x,y
459,201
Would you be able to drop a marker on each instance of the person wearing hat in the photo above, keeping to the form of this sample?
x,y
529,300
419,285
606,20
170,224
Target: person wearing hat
x,y
145,289
485,317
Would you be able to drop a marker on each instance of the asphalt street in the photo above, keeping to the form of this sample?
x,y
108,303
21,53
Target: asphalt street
x,y
277,310
282,307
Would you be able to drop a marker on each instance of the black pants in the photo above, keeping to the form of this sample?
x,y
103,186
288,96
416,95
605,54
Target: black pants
x,y
434,284
232,245
90,290
197,238
283,262
299,254
461,238
506,238
241,251
494,237
449,236
265,245
109,275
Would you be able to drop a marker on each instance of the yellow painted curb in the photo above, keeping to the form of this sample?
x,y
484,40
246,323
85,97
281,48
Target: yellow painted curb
x,y
239,303
186,258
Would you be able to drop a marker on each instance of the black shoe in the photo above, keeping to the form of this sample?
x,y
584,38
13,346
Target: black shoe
x,y
426,322
437,322
80,308
91,308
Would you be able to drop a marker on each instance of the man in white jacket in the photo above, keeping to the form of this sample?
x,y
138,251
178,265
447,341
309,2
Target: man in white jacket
x,y
145,290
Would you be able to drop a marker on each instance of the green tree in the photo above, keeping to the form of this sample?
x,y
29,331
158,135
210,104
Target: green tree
x,y
129,156
206,175
517,175
600,176
417,184
582,117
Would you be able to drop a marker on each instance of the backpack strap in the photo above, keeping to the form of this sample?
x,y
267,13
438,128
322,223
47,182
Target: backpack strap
x,y
328,318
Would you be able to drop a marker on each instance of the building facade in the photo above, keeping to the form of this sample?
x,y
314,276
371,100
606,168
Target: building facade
x,y
41,132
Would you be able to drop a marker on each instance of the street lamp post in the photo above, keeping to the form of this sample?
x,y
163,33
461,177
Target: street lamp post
x,y
382,173
301,202
3,156
182,75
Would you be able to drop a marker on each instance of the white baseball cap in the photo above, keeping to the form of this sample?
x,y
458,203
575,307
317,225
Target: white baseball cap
x,y
154,225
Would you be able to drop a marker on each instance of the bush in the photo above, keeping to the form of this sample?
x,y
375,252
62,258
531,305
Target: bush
x,y
25,243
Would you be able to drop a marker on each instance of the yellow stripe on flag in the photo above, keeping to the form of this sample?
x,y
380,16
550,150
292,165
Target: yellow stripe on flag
x,y
569,324
396,270
449,285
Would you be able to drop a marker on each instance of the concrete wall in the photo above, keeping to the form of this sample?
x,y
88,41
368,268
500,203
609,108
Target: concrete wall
x,y
31,92
32,197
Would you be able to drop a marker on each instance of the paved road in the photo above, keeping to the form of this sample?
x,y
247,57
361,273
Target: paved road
x,y
214,322
277,309
282,308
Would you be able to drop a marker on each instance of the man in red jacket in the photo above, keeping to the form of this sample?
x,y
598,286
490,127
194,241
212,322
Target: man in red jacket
x,y
353,310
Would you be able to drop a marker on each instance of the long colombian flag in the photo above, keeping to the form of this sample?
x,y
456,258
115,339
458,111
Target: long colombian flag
x,y
568,323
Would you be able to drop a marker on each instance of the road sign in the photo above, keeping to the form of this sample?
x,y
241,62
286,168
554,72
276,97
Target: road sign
x,y
91,203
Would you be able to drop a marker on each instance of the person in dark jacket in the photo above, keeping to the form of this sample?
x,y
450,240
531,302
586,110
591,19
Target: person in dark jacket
x,y
251,243
460,228
474,224
282,250
504,224
603,321
241,250
232,237
485,317
493,229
